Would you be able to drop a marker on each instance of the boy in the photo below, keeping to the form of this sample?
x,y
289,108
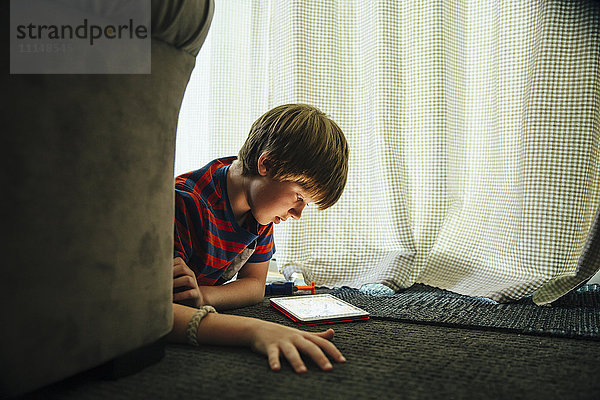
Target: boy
x,y
224,215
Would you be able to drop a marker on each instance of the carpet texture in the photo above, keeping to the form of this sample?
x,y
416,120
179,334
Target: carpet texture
x,y
575,315
387,359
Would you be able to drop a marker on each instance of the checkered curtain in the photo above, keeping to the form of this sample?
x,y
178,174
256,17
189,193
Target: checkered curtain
x,y
474,130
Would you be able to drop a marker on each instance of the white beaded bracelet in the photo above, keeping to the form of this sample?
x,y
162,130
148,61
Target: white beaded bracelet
x,y
192,329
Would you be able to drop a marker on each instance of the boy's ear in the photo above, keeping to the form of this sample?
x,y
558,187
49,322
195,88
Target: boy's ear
x,y
264,164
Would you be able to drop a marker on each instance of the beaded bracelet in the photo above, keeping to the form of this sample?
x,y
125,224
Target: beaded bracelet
x,y
192,329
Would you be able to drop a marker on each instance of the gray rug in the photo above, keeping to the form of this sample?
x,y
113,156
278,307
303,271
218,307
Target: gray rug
x,y
576,315
387,359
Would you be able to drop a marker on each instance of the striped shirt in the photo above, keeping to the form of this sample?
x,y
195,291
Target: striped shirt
x,y
207,236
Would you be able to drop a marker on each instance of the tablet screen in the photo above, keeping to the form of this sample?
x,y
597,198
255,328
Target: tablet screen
x,y
319,307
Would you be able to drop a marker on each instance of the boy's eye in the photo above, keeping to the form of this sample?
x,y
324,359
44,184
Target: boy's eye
x,y
300,198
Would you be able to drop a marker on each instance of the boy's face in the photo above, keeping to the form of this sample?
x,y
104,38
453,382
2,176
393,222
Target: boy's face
x,y
273,201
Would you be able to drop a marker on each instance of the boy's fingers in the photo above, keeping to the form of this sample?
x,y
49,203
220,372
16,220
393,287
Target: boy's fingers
x,y
188,294
273,356
291,354
313,351
328,334
184,281
179,270
327,346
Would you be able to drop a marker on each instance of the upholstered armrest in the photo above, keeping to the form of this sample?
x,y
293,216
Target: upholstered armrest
x,y
176,23
88,207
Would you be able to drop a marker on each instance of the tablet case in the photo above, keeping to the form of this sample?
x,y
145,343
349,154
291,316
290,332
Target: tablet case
x,y
320,321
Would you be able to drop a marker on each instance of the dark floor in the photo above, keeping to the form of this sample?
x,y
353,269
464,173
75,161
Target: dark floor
x,y
386,360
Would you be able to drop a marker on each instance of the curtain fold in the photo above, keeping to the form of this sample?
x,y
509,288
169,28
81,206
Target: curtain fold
x,y
473,127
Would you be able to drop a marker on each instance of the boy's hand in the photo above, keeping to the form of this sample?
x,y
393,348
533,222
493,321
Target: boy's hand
x,y
185,285
274,339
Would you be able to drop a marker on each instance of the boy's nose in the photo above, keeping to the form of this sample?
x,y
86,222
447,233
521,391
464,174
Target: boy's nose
x,y
296,212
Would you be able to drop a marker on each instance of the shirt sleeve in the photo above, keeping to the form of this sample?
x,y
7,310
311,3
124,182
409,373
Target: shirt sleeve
x,y
265,245
183,230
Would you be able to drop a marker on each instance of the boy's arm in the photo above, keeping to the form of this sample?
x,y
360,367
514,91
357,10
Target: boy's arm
x,y
247,289
264,337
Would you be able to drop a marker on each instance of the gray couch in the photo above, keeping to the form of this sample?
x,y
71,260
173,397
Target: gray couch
x,y
87,206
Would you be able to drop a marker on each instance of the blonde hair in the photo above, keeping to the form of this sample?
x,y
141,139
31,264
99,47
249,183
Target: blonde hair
x,y
303,146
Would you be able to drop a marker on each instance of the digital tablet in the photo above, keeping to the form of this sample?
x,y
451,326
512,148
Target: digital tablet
x,y
318,309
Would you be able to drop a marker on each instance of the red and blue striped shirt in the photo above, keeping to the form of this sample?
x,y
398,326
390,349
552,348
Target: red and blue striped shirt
x,y
207,236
